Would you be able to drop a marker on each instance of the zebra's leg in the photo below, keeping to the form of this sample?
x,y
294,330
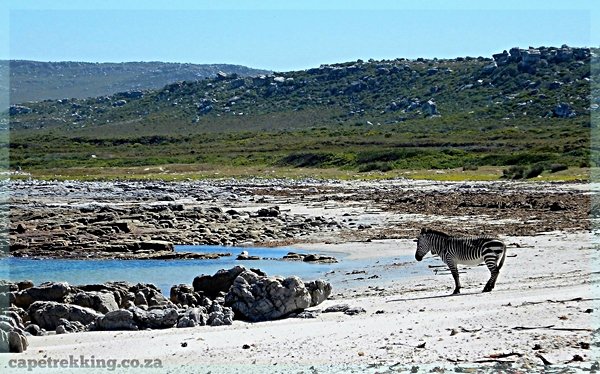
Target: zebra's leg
x,y
454,272
491,265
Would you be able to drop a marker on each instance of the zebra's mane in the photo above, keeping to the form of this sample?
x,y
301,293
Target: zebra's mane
x,y
435,232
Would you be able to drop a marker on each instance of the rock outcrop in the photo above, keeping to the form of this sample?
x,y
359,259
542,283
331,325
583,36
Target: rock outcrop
x,y
47,314
213,300
256,297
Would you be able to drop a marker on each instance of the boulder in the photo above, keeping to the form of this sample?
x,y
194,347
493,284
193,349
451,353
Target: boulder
x,y
212,285
7,286
563,110
47,314
35,330
102,302
13,341
319,291
67,327
260,298
193,317
12,334
116,320
185,295
149,294
219,315
155,318
430,108
268,212
53,291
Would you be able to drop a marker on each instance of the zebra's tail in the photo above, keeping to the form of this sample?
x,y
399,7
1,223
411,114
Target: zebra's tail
x,y
503,256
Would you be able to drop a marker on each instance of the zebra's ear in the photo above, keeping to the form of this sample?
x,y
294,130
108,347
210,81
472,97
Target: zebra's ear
x,y
424,230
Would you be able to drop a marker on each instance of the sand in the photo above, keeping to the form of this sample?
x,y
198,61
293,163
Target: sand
x,y
410,321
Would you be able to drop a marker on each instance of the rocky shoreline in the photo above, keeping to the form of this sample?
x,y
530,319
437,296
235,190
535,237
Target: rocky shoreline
x,y
211,300
141,221
144,220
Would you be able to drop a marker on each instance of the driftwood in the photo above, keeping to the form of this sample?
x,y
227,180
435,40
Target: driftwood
x,y
546,362
468,330
504,355
577,299
550,327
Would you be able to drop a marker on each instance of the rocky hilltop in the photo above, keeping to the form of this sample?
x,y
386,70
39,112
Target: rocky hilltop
x,y
36,80
536,82
361,115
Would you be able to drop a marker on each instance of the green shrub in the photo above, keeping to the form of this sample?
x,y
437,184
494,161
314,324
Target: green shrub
x,y
376,166
558,167
534,171
514,172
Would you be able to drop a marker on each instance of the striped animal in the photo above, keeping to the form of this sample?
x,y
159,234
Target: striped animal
x,y
467,251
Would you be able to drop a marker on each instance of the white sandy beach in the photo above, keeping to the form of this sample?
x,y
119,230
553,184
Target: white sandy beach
x,y
409,321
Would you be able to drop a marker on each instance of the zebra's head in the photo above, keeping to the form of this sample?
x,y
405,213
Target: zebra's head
x,y
422,248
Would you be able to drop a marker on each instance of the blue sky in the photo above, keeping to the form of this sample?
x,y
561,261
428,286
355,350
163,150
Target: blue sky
x,y
286,35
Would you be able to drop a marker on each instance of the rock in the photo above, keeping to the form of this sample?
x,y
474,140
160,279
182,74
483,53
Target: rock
x,y
67,327
245,256
563,110
116,320
14,110
149,294
6,286
268,212
53,291
354,311
319,291
21,228
308,314
155,318
501,59
530,56
489,69
140,299
337,308
260,298
219,315
430,108
13,341
156,246
193,317
102,302
319,259
222,281
47,314
34,330
184,295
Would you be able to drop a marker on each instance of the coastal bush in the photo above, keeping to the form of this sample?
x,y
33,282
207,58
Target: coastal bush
x,y
534,171
376,166
558,167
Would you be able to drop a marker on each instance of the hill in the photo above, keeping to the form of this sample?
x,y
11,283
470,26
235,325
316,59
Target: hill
x,y
520,107
34,80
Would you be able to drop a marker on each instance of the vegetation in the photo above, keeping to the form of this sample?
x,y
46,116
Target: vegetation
x,y
35,80
359,118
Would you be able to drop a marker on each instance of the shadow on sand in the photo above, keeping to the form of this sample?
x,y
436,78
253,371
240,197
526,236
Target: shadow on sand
x,y
433,297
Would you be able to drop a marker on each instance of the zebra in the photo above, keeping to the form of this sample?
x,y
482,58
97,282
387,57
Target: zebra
x,y
467,251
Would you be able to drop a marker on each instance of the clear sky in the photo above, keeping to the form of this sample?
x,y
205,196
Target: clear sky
x,y
287,34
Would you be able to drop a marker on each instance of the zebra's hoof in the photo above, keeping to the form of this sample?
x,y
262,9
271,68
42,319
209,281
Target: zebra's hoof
x,y
456,292
487,289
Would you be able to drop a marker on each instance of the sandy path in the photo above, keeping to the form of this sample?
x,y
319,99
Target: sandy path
x,y
400,316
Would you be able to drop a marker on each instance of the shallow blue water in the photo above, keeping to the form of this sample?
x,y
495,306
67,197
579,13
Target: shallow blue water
x,y
162,273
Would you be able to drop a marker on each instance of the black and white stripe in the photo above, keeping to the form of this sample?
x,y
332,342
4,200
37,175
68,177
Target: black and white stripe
x,y
466,251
